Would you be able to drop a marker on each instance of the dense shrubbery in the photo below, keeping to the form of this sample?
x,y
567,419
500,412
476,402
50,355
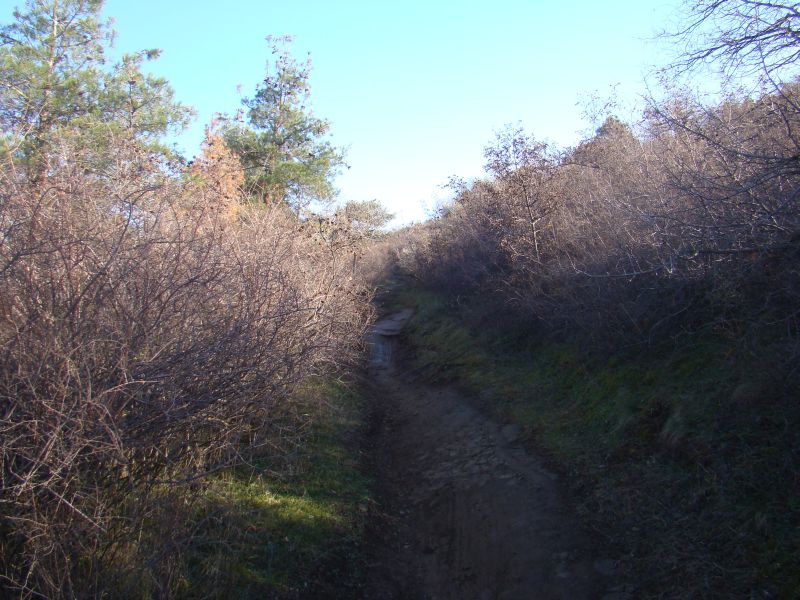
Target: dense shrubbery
x,y
155,321
686,220
629,238
636,306
149,337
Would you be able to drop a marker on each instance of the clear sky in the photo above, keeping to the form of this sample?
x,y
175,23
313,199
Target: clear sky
x,y
415,88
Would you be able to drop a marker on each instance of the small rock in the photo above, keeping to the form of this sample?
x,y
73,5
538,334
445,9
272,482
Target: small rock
x,y
747,393
605,566
511,433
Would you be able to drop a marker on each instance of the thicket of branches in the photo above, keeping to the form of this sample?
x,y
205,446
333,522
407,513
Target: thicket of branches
x,y
148,338
687,221
155,322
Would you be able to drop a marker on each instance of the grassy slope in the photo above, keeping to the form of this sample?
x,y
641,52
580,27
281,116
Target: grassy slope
x,y
294,533
685,461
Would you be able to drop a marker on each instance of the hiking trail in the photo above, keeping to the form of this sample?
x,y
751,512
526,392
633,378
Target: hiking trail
x,y
469,513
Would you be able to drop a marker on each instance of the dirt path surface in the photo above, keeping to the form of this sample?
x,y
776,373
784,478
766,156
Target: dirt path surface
x,y
470,514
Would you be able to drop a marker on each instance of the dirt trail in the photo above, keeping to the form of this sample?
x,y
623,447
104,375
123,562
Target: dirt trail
x,y
471,515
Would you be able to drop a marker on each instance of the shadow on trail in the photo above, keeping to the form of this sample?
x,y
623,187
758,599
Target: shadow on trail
x,y
469,513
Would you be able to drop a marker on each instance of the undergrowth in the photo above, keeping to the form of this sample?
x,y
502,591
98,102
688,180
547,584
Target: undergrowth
x,y
685,457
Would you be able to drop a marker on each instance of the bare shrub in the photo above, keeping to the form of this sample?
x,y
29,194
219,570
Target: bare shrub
x,y
148,339
629,239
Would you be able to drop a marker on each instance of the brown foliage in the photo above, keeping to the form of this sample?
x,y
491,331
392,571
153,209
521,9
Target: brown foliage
x,y
218,174
626,239
147,341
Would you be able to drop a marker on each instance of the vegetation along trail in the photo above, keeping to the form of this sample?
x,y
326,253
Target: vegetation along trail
x,y
473,515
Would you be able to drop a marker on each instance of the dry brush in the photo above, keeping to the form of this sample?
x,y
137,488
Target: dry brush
x,y
149,336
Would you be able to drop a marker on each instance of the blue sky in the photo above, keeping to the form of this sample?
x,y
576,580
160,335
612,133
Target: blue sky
x,y
416,88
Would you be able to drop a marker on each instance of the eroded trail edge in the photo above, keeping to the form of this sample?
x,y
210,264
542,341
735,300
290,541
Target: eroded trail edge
x,y
470,514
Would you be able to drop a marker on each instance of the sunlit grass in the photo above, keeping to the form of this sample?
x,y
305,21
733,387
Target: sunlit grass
x,y
293,529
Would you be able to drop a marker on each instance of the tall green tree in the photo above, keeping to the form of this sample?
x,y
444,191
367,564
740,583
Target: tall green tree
x,y
53,78
283,147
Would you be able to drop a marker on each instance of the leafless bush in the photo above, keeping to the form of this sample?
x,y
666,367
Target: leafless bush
x,y
148,339
740,37
630,238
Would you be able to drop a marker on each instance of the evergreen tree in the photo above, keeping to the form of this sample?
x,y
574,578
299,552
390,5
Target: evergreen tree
x,y
53,80
282,146
366,218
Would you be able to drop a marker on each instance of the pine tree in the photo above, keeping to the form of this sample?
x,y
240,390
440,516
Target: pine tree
x,y
283,146
53,81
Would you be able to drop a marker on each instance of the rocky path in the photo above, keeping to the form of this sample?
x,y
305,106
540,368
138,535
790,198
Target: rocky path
x,y
470,514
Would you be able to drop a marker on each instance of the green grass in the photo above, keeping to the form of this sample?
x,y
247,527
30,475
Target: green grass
x,y
685,457
295,531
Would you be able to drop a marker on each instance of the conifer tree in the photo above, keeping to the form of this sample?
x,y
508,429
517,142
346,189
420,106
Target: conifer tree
x,y
53,80
283,146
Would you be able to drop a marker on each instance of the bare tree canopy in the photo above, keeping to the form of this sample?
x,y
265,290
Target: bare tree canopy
x,y
741,36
